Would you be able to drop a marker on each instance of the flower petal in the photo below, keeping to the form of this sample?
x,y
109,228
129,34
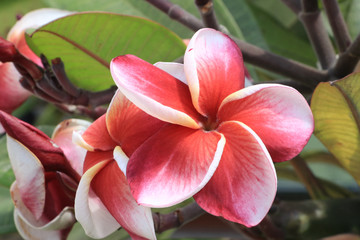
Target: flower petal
x,y
62,136
51,156
29,174
174,69
28,231
97,135
154,91
12,94
278,114
244,184
112,188
89,209
128,125
214,69
173,165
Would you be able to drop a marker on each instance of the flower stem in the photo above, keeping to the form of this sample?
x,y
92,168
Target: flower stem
x,y
311,182
206,9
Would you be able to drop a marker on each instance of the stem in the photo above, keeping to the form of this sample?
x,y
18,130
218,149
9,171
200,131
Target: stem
x,y
311,182
177,13
309,76
177,218
311,19
252,54
347,60
270,230
338,25
206,9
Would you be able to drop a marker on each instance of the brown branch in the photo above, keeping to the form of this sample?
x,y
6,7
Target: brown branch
x,y
177,218
313,185
315,28
177,13
206,9
253,54
347,60
338,25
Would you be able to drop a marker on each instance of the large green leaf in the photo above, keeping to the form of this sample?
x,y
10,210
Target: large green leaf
x,y
144,9
336,108
86,42
6,174
353,17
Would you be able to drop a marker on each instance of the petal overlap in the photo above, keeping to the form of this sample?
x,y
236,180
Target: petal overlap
x,y
278,114
173,164
154,91
243,186
213,68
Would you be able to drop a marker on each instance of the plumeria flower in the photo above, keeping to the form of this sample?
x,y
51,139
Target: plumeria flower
x,y
12,94
223,138
47,173
110,141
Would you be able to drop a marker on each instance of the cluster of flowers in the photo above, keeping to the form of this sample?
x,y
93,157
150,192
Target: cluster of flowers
x,y
172,131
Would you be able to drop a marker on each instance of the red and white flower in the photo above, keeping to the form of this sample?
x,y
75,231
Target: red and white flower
x,y
44,190
110,140
223,138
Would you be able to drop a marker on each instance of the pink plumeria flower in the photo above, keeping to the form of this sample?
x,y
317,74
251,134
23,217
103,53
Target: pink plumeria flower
x,y
110,140
223,138
12,94
47,174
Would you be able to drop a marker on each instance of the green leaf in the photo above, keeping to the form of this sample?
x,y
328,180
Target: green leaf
x,y
6,174
353,18
86,42
7,224
247,22
336,108
284,40
146,10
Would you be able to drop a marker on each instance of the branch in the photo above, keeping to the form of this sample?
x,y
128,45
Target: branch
x,y
206,9
338,25
177,218
347,60
311,19
253,54
177,13
311,182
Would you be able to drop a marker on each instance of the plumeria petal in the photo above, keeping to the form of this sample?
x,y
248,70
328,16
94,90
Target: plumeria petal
x,y
214,69
173,164
29,174
244,184
97,135
278,114
12,94
174,69
128,125
28,225
89,209
51,156
28,231
121,159
112,188
62,136
154,91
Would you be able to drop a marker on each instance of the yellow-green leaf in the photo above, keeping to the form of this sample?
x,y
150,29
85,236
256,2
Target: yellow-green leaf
x,y
336,108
